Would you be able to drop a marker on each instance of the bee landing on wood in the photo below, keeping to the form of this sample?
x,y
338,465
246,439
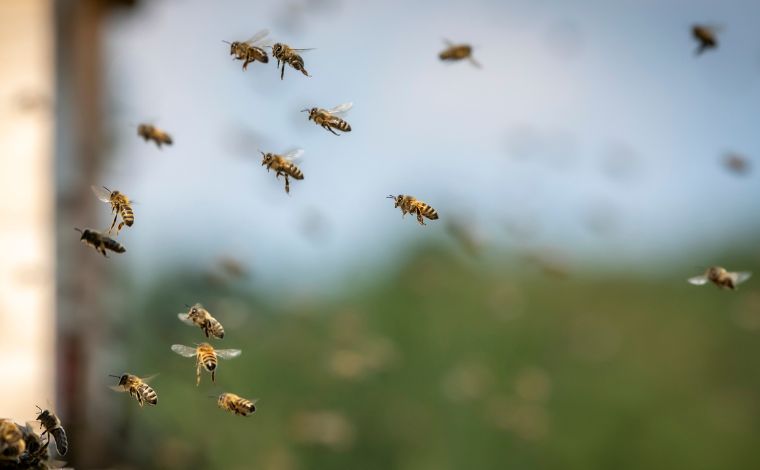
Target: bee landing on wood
x,y
100,242
283,165
720,277
410,205
456,52
251,50
288,55
329,119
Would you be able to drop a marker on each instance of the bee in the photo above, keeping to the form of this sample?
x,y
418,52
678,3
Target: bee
x,y
52,426
12,443
236,404
720,277
251,50
705,36
100,242
454,52
120,206
36,454
410,205
137,387
328,119
736,163
283,165
287,55
150,132
199,316
206,357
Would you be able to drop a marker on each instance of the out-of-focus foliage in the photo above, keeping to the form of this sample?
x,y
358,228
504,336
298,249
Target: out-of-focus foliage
x,y
448,364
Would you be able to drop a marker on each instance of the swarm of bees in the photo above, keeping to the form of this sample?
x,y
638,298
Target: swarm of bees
x,y
22,448
720,277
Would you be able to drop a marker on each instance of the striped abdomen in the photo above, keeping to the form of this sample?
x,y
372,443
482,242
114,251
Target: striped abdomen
x,y
126,214
61,441
456,53
426,210
296,62
144,393
236,404
338,123
111,244
292,170
213,327
208,359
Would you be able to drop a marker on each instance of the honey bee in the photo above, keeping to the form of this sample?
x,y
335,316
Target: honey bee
x,y
12,443
288,55
410,205
736,163
137,387
120,206
52,426
236,404
36,454
455,52
705,36
251,50
328,119
206,357
151,132
284,165
199,316
721,278
100,242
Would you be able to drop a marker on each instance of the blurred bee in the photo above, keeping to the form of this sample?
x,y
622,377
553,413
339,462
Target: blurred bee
x,y
236,404
36,454
455,52
410,205
287,55
206,357
283,165
251,50
52,426
328,119
721,278
736,163
150,132
120,206
199,316
12,443
705,36
137,387
100,242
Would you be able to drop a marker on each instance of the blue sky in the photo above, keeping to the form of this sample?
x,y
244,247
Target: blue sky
x,y
582,110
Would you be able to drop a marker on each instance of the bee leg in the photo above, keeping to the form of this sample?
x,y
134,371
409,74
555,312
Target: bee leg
x,y
287,184
198,374
113,223
419,218
282,73
213,376
330,129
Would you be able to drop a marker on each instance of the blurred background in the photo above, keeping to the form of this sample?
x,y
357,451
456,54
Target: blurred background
x,y
592,165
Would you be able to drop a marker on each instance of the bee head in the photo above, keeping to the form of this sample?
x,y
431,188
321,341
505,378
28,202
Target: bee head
x,y
311,111
233,45
122,378
42,414
85,233
220,399
267,157
276,48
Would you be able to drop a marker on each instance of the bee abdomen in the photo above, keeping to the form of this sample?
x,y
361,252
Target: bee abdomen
x,y
127,215
61,441
342,125
294,171
147,394
243,407
429,212
113,245
215,328
208,361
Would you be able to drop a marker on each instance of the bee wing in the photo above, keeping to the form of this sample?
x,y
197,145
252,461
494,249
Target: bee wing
x,y
342,108
102,193
183,350
117,388
228,353
698,280
740,277
447,42
185,317
294,155
148,378
257,37
303,50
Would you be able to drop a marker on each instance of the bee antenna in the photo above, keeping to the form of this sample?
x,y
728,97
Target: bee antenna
x,y
211,396
106,189
187,306
305,110
391,196
78,229
38,408
226,42
116,376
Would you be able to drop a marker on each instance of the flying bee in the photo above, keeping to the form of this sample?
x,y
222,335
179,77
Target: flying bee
x,y
52,426
137,387
12,443
456,52
283,165
205,357
100,242
151,132
236,404
721,278
706,37
199,316
251,50
410,205
328,119
288,55
737,163
120,206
